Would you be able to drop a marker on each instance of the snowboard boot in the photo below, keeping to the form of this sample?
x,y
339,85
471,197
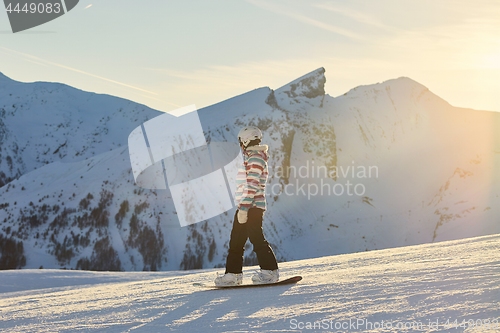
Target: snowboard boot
x,y
266,276
229,279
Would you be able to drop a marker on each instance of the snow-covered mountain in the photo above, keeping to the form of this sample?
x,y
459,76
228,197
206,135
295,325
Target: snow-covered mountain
x,y
42,123
442,287
384,165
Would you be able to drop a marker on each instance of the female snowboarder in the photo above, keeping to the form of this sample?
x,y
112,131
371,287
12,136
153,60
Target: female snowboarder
x,y
251,205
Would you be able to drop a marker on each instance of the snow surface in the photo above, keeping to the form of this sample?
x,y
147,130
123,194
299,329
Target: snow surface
x,y
442,287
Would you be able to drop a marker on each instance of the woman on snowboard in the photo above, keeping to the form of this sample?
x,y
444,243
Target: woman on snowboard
x,y
251,205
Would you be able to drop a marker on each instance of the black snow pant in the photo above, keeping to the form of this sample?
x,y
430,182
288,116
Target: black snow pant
x,y
252,230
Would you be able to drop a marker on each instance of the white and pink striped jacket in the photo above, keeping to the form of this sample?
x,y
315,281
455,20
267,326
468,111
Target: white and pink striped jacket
x,y
251,179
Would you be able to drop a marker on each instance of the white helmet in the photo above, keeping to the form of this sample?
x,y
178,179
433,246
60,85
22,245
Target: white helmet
x,y
248,134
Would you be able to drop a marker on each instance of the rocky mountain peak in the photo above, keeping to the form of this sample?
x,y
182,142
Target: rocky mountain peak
x,y
310,85
308,89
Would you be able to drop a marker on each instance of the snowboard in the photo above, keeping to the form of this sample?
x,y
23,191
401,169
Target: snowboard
x,y
290,280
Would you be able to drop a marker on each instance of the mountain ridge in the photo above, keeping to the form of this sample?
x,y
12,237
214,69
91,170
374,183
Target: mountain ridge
x,y
76,211
48,122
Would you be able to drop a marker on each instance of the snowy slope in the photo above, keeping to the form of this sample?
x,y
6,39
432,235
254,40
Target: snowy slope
x,y
384,165
442,287
42,122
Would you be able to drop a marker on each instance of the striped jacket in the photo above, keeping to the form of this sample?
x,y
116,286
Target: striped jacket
x,y
251,179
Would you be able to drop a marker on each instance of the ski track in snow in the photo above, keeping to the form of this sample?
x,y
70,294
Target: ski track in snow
x,y
429,288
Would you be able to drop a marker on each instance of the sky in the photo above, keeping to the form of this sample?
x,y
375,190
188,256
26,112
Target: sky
x,y
167,54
